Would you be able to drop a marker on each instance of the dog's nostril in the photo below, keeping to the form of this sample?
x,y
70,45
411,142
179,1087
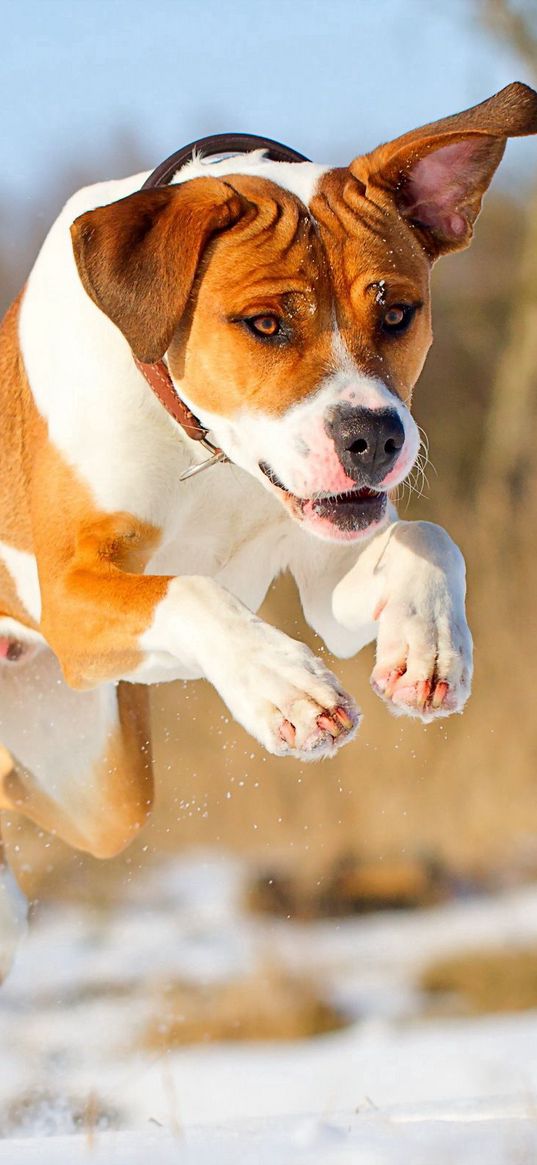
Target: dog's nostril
x,y
368,441
358,446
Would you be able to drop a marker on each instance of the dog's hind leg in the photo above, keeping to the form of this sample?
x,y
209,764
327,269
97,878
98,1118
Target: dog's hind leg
x,y
82,760
13,905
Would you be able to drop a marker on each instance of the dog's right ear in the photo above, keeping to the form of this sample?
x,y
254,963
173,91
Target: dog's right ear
x,y
137,258
437,174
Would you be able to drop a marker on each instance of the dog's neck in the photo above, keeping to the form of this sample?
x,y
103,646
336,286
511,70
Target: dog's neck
x,y
160,381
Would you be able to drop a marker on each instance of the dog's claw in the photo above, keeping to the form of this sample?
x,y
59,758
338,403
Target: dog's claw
x,y
392,680
332,727
286,697
288,733
423,692
344,719
425,698
440,693
327,723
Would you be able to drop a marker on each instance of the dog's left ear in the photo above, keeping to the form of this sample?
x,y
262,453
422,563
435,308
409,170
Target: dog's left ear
x,y
137,258
437,174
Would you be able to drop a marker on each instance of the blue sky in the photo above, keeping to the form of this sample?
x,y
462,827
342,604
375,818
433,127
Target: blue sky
x,y
331,78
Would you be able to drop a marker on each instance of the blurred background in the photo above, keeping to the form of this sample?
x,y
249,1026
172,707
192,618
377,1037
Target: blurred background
x,y
407,815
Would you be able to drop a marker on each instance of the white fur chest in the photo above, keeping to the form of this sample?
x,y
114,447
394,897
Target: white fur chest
x,y
226,527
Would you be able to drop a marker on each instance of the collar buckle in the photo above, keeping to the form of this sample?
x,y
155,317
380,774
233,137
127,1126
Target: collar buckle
x,y
193,470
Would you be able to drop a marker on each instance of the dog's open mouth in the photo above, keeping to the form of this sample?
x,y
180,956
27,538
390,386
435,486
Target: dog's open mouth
x,y
343,515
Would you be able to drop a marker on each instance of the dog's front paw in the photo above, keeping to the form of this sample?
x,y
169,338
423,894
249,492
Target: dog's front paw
x,y
424,660
281,693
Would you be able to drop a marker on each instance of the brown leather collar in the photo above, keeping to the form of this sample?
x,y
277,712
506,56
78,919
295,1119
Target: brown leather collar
x,y
220,143
157,375
159,379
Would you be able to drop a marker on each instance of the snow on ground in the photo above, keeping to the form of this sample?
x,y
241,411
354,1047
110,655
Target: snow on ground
x,y
84,985
381,1140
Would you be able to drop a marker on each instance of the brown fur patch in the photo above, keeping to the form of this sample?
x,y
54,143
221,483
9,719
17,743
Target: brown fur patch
x,y
19,423
95,601
10,603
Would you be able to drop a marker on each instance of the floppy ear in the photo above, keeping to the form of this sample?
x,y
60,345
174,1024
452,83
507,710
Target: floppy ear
x,y
437,174
137,258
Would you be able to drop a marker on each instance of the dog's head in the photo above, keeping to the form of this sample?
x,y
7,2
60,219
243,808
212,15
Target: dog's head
x,y
292,301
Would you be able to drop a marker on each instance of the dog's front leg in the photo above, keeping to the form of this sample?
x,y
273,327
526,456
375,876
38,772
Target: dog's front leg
x,y
410,581
274,686
105,622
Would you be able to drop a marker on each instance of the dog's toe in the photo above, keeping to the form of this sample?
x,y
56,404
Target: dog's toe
x,y
424,664
285,696
311,731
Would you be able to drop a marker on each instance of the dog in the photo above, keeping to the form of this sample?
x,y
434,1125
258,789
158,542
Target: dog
x,y
281,311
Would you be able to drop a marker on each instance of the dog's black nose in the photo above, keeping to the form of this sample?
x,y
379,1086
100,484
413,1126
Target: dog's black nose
x,y
368,441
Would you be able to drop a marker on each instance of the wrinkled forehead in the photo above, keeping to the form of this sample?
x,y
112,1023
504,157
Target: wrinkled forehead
x,y
276,246
335,245
361,233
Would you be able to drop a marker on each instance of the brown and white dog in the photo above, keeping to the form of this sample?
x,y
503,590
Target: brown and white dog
x,y
290,303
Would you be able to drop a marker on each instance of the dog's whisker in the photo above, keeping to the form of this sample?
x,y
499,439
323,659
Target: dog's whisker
x,y
417,482
424,450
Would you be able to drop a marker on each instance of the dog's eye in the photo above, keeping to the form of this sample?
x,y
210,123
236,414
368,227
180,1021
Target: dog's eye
x,y
266,326
398,317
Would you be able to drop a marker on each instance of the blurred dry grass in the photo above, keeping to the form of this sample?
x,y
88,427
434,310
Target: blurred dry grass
x,y
352,886
270,1004
483,982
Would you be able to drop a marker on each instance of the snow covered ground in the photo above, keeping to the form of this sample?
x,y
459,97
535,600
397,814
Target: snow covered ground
x,y
388,1139
411,1089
